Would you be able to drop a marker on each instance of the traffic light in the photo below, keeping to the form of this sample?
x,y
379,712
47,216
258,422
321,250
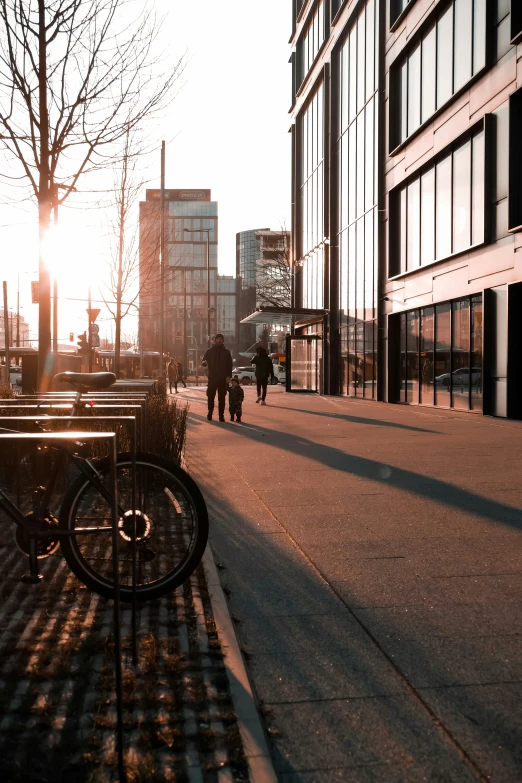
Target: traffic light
x,y
82,343
71,337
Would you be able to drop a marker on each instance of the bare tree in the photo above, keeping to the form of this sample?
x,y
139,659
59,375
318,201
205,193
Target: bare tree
x,y
75,77
273,277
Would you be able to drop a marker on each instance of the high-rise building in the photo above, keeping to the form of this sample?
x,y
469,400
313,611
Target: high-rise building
x,y
227,318
191,234
407,202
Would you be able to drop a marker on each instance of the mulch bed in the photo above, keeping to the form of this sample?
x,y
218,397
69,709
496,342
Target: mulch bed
x,y
57,683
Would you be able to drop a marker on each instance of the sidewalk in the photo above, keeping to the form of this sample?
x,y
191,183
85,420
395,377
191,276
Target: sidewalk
x,y
372,555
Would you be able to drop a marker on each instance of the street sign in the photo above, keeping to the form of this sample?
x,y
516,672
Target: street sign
x,y
35,298
93,313
95,329
95,340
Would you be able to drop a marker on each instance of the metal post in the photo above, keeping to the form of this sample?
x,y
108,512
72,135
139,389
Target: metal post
x,y
162,261
55,286
117,608
208,287
185,322
89,334
6,331
18,314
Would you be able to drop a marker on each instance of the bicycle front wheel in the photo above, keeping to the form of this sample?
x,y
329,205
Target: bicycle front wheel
x,y
171,528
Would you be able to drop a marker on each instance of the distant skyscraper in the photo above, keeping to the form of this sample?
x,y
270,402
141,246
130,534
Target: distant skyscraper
x,y
191,217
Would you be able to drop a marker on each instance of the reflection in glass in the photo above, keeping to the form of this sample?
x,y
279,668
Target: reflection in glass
x,y
479,35
443,199
443,354
428,217
461,197
414,90
429,70
361,48
403,394
360,269
477,196
412,355
445,57
413,228
460,355
476,353
426,358
368,359
463,55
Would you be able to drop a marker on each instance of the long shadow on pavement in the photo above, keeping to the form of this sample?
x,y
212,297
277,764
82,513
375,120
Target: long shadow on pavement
x,y
428,488
343,705
361,420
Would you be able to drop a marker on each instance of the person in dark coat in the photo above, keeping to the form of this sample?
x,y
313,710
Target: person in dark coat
x,y
236,395
181,374
264,371
218,361
172,372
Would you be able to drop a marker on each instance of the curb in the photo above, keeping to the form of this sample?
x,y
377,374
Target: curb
x,y
260,765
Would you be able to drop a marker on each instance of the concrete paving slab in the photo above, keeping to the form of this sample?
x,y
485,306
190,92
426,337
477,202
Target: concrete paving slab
x,y
487,720
337,734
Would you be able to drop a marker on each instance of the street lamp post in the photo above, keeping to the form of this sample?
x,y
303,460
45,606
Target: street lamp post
x,y
207,232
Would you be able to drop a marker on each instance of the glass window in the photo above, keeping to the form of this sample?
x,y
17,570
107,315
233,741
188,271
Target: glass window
x,y
344,56
476,353
414,90
460,355
479,35
412,355
368,266
427,355
445,57
443,354
462,51
403,76
428,217
361,69
353,73
462,197
403,231
403,395
352,255
477,194
443,208
369,152
360,164
429,45
360,269
343,161
370,46
352,152
413,227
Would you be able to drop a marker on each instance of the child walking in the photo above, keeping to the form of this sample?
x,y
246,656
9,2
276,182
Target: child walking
x,y
236,395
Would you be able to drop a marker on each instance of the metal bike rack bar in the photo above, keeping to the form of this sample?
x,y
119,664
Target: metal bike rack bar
x,y
51,437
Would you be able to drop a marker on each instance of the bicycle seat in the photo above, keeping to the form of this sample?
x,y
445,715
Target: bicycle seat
x,y
93,380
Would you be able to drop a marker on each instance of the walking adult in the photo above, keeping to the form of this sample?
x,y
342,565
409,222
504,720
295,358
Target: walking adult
x,y
181,374
172,372
264,371
218,361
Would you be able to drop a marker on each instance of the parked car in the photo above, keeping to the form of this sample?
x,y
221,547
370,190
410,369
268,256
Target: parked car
x,y
280,373
15,374
460,377
247,375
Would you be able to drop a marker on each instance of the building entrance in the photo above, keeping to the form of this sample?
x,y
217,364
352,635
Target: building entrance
x,y
305,363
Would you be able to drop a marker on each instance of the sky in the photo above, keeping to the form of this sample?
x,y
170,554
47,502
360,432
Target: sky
x,y
226,129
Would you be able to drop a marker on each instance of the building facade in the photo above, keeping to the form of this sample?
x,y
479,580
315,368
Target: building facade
x,y
263,271
190,276
19,331
406,197
227,314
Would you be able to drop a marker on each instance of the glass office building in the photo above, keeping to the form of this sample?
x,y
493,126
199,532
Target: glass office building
x,y
191,232
407,198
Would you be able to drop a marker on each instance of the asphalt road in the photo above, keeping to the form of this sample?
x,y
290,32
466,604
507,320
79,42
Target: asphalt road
x,y
372,555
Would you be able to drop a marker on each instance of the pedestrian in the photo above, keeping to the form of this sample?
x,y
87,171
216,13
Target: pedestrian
x,y
218,362
181,374
236,395
264,371
172,372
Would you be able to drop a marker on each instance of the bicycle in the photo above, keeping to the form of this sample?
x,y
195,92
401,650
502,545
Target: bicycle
x,y
171,516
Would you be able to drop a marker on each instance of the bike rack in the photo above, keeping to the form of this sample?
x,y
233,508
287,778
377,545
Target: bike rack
x,y
51,437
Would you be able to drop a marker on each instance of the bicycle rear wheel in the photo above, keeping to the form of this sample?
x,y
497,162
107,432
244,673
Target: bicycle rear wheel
x,y
171,527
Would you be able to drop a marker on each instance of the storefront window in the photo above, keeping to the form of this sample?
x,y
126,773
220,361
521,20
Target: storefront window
x,y
443,355
476,353
460,355
427,346
440,355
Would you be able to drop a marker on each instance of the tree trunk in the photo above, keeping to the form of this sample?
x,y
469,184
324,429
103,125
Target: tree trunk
x,y
44,213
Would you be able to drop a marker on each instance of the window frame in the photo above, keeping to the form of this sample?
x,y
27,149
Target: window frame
x,y
516,22
396,18
395,144
515,163
301,74
394,197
